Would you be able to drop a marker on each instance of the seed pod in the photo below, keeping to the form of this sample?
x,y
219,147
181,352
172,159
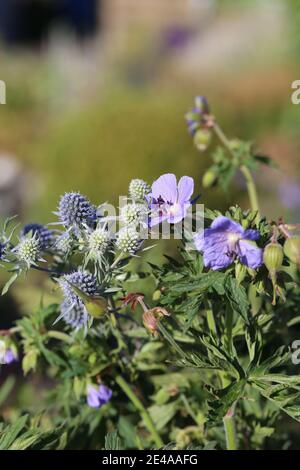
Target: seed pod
x,y
292,249
202,139
209,179
273,258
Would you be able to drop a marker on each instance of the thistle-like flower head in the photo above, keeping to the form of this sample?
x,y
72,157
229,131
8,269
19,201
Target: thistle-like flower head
x,y
128,240
28,251
75,211
135,214
74,315
98,242
42,234
138,189
73,309
63,243
83,280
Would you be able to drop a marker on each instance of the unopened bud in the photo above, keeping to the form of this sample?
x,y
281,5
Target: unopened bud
x,y
202,139
273,257
292,249
96,306
156,295
209,179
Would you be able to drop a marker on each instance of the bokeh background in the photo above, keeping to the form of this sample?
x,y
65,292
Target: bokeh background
x,y
97,92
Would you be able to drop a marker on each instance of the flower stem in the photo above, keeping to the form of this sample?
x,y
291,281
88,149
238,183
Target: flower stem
x,y
60,336
252,192
210,318
117,260
230,430
251,187
143,412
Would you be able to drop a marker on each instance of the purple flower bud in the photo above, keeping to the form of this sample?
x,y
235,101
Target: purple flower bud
x,y
196,117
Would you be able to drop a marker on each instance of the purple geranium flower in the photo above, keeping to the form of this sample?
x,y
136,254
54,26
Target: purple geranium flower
x,y
170,201
226,240
97,397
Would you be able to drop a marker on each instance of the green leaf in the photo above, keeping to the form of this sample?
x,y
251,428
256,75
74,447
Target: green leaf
x,y
11,433
112,441
162,414
237,297
12,279
224,399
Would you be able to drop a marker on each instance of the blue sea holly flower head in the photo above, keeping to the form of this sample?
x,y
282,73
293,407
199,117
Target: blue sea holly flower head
x,y
73,310
63,243
98,242
135,214
138,189
226,241
28,251
128,240
74,314
168,200
98,396
75,211
82,280
42,233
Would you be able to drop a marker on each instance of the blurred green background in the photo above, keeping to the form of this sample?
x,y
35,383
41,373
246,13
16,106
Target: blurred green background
x,y
91,114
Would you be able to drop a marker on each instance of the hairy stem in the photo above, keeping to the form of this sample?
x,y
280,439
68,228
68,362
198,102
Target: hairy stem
x,y
230,430
143,412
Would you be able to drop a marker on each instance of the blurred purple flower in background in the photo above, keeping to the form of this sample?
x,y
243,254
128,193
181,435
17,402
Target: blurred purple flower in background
x,y
226,240
169,201
177,37
7,356
97,397
289,193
